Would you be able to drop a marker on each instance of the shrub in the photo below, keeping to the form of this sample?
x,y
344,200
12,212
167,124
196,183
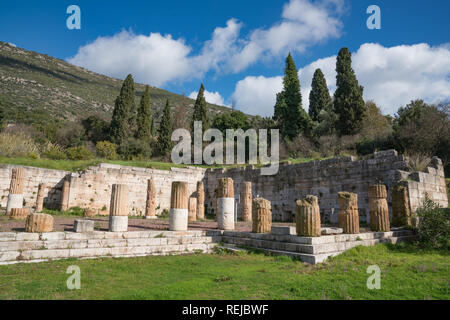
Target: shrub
x,y
17,145
134,149
79,153
53,151
434,224
106,149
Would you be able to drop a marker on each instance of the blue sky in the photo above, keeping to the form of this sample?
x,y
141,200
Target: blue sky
x,y
237,48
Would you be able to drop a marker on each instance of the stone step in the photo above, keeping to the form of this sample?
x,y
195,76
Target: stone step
x,y
43,255
11,236
99,243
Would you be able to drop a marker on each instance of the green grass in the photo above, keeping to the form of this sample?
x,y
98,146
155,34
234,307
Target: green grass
x,y
406,273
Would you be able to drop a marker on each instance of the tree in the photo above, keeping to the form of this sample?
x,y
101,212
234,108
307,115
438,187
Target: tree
x,y
124,112
292,118
179,121
165,131
144,116
2,115
319,97
200,110
96,129
375,124
348,98
233,120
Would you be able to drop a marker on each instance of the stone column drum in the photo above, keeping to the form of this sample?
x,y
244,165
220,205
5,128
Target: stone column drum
x,y
65,195
378,208
246,201
150,205
118,212
308,217
192,209
401,212
39,222
15,197
178,220
40,197
19,213
200,201
261,216
348,217
225,204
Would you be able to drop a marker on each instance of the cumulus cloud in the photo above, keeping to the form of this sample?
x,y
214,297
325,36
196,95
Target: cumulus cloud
x,y
210,97
392,77
157,59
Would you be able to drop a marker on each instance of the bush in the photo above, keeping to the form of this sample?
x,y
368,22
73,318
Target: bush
x,y
79,153
434,225
106,150
134,149
53,152
17,145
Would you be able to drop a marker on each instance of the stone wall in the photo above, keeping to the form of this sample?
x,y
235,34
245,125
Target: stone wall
x,y
52,178
326,178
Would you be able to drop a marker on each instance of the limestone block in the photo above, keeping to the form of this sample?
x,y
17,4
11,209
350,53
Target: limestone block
x,y
200,201
17,181
118,223
331,230
119,200
348,217
19,213
378,207
246,201
225,188
150,205
261,216
192,210
40,197
83,225
401,212
308,217
39,222
225,204
14,201
178,219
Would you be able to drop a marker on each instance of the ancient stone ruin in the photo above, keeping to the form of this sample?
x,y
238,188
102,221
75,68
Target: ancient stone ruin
x,y
261,216
118,216
16,188
246,201
179,206
308,217
225,204
378,207
348,218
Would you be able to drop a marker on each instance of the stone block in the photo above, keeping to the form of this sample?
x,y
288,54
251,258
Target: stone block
x,y
83,225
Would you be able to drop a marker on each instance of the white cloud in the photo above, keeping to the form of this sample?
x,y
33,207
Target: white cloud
x,y
210,97
157,59
392,77
257,95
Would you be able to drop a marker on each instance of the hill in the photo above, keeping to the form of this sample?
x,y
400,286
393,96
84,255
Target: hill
x,y
36,87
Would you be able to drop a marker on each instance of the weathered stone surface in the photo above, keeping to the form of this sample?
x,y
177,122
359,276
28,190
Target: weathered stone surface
x,y
89,213
17,180
379,212
39,222
178,219
283,230
192,210
261,216
225,204
308,217
119,200
150,206
83,225
200,201
118,223
331,230
65,195
40,197
246,201
19,213
401,212
348,217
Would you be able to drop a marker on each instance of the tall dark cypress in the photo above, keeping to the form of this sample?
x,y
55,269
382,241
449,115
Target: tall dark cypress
x,y
2,115
144,116
348,98
200,110
288,109
124,109
319,97
165,131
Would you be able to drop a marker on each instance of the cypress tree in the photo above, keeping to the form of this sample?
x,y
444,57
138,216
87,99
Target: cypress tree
x,y
2,115
123,114
288,109
319,97
144,117
152,127
200,110
348,98
165,131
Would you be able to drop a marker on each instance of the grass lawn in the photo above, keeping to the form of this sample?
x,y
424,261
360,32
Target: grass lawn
x,y
406,273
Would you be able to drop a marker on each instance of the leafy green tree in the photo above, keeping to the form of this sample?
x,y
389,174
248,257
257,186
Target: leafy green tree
x,y
124,112
348,98
165,131
2,115
319,97
200,110
152,127
96,129
144,116
289,112
232,120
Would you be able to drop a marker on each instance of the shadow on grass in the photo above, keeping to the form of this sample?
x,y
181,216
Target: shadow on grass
x,y
415,248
